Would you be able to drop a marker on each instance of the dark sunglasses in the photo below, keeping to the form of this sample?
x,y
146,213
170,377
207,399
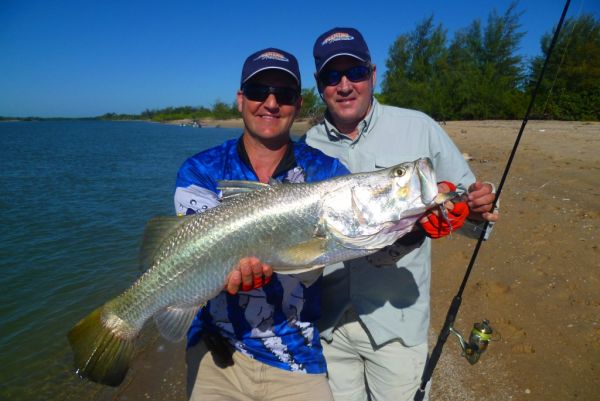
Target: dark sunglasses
x,y
259,93
358,73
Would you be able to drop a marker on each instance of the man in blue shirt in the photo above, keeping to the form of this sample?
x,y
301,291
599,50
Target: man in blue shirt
x,y
260,343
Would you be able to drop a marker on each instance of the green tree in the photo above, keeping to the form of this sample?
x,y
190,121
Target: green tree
x,y
486,74
571,86
465,77
478,76
223,111
233,110
417,70
312,105
200,113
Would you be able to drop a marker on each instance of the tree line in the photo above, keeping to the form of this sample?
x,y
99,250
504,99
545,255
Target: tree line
x,y
312,107
477,74
219,110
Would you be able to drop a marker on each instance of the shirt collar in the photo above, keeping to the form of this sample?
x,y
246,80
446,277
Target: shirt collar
x,y
287,163
364,126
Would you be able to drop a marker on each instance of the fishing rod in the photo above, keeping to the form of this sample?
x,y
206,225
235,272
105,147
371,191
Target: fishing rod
x,y
482,332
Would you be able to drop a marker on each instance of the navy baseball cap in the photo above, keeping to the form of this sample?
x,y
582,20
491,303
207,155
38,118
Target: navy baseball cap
x,y
267,59
340,42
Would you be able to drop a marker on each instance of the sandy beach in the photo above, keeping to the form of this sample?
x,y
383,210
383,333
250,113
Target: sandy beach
x,y
537,279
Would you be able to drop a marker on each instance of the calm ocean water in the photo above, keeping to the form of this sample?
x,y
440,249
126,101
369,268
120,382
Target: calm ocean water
x,y
74,198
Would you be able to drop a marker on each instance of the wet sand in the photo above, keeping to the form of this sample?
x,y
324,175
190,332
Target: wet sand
x,y
537,279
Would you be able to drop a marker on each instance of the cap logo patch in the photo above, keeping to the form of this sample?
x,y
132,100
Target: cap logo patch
x,y
335,37
272,56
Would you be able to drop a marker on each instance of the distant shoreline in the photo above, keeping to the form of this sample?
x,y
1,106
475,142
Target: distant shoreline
x,y
299,127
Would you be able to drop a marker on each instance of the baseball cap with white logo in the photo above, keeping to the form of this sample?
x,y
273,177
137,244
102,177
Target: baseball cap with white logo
x,y
340,42
267,59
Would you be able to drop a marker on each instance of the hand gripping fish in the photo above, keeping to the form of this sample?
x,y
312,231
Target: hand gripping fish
x,y
292,227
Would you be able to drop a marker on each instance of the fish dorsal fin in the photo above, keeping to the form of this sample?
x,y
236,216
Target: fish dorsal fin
x,y
232,188
157,229
173,322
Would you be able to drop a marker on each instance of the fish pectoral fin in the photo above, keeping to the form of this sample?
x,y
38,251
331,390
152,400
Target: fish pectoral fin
x,y
304,253
301,257
157,229
299,270
232,188
173,322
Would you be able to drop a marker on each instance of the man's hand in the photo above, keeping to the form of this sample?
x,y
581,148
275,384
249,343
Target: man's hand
x,y
480,200
435,225
248,274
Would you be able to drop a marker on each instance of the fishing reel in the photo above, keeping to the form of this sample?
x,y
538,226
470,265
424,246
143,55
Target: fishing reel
x,y
480,336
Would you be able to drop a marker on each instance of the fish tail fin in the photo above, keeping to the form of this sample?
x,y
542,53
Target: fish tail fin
x,y
100,354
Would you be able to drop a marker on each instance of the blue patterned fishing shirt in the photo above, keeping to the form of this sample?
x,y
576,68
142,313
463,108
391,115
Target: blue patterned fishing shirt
x,y
274,324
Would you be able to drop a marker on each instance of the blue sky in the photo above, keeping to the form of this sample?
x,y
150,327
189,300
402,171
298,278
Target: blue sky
x,y
87,57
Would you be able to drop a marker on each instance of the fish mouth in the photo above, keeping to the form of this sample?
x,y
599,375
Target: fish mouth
x,y
427,180
444,197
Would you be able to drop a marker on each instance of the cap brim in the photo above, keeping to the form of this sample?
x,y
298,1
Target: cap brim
x,y
338,55
272,68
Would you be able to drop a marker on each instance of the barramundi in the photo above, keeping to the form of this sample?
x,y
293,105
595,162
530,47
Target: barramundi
x,y
292,227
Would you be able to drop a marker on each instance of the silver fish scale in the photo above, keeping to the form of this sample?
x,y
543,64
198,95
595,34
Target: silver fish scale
x,y
194,262
191,265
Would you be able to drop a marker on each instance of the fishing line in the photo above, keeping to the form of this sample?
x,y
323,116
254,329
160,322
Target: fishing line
x,y
455,305
562,59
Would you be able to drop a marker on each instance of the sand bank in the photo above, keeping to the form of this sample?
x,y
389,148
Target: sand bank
x,y
537,279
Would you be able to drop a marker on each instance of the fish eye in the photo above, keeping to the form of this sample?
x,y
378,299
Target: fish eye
x,y
399,172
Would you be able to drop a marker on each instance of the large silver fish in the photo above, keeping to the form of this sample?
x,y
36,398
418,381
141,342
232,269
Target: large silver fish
x,y
292,227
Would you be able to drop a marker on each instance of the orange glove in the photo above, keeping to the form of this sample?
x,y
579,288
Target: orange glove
x,y
437,227
250,273
257,282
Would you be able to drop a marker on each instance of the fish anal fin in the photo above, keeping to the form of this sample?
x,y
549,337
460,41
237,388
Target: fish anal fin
x,y
157,229
173,322
100,354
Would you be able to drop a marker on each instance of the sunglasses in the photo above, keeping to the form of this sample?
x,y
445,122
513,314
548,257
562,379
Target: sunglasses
x,y
358,73
259,93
